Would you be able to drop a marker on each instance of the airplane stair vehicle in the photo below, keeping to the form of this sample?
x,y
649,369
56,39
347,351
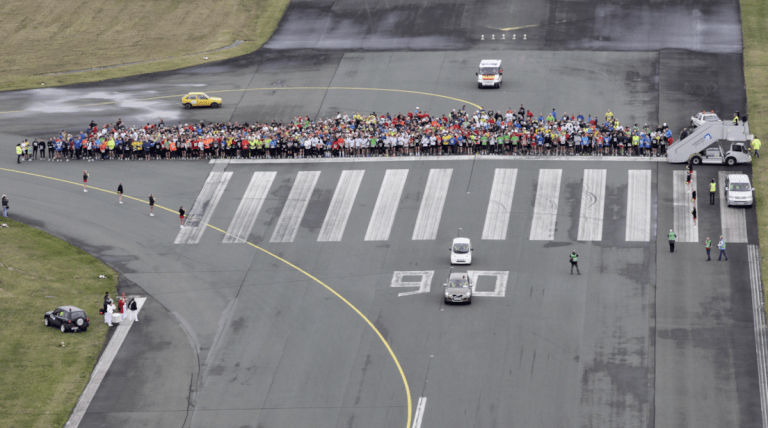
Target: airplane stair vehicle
x,y
717,142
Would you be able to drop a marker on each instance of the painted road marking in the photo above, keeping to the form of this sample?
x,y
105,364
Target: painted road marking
x,y
295,206
424,284
761,330
109,354
499,290
420,407
249,207
341,206
202,210
382,339
431,210
384,211
638,205
500,204
682,222
592,205
733,221
445,159
545,207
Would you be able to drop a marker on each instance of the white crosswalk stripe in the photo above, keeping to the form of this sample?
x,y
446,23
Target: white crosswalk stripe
x,y
249,207
500,204
733,221
545,207
638,206
201,211
682,222
592,205
293,211
384,211
432,202
341,206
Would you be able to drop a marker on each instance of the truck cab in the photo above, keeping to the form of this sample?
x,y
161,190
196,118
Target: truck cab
x,y
738,153
489,73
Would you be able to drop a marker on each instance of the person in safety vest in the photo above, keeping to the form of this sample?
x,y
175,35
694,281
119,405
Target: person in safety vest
x,y
712,190
574,262
756,147
672,237
735,118
708,247
18,153
721,247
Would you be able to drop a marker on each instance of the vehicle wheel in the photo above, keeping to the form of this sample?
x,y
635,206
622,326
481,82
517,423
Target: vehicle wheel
x,y
45,321
469,302
696,160
215,105
693,125
63,329
187,106
84,329
730,161
480,86
80,322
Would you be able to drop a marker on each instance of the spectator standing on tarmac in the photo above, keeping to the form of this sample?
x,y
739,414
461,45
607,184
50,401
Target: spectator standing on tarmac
x,y
708,247
712,190
85,181
5,206
120,192
151,205
721,247
134,308
672,237
574,262
756,147
181,217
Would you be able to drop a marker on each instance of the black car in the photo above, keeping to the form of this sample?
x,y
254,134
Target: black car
x,y
67,318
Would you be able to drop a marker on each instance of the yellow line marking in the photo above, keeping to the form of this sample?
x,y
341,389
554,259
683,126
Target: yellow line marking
x,y
370,324
272,89
525,26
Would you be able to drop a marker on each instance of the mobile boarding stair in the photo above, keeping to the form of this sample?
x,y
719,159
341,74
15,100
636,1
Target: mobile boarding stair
x,y
706,135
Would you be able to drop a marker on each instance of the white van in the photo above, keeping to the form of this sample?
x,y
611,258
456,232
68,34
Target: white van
x,y
738,191
489,73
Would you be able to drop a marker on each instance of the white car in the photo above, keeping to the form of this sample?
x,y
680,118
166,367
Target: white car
x,y
738,191
461,251
703,117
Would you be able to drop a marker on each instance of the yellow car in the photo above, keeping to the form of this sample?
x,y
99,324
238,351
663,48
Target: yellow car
x,y
199,99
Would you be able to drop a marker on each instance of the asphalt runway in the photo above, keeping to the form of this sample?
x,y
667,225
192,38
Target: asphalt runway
x,y
232,336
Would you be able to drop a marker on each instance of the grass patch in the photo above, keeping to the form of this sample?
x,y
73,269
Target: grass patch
x,y
754,25
41,381
52,36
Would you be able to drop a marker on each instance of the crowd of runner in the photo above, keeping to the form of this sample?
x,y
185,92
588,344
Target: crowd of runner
x,y
413,134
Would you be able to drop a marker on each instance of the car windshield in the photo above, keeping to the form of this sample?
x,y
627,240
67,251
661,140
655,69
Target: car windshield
x,y
740,187
489,70
459,283
461,248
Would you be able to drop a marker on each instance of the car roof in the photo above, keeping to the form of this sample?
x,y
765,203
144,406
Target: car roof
x,y
70,308
490,63
738,178
196,93
461,240
459,275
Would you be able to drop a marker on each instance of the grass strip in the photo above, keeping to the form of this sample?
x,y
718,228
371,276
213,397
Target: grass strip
x,y
41,379
54,36
754,25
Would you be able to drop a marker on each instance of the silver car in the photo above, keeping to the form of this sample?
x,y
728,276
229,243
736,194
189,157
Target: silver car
x,y
458,289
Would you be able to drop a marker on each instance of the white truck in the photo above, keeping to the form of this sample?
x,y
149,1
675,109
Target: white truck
x,y
489,73
738,153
